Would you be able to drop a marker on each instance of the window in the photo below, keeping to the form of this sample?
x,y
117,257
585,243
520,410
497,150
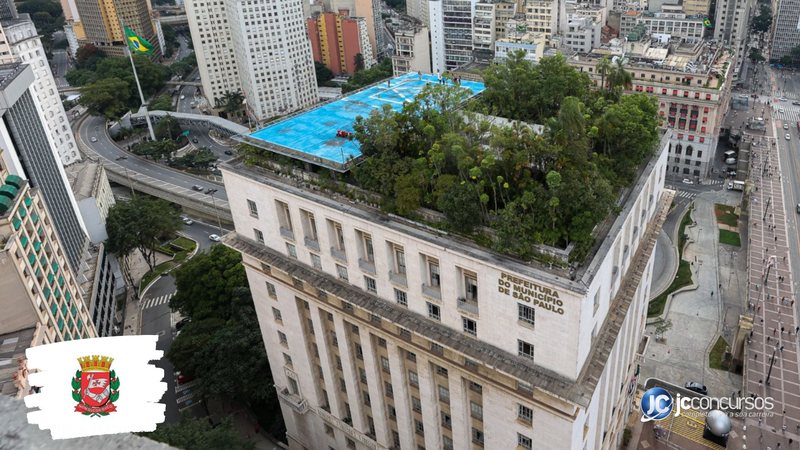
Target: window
x,y
370,284
476,410
470,286
441,371
399,259
447,443
367,250
524,414
413,379
259,235
476,387
400,297
282,338
447,421
477,436
337,236
385,364
524,349
524,441
433,311
470,326
291,250
276,313
342,272
526,314
416,404
329,430
420,430
287,359
271,290
251,205
316,261
351,443
309,225
284,217
434,279
444,394
388,390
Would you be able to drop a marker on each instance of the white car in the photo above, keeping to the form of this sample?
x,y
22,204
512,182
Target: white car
x,y
781,111
187,220
687,181
183,97
93,139
214,237
785,126
788,136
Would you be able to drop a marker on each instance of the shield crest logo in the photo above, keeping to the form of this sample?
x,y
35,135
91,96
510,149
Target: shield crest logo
x,y
95,387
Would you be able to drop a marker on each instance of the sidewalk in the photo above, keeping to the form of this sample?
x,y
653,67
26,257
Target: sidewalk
x,y
697,313
138,267
244,423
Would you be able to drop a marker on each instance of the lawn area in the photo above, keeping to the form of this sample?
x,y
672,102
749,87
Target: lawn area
x,y
716,357
682,278
164,267
185,243
726,215
730,238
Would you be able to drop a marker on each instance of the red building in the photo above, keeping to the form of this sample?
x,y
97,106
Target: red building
x,y
336,39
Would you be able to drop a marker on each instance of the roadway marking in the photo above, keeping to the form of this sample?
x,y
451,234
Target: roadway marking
x,y
156,301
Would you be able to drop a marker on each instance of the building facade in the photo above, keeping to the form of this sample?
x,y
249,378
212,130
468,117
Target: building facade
x,y
451,33
26,46
532,44
786,33
382,333
733,23
337,40
213,47
693,88
484,31
581,34
100,21
412,51
691,29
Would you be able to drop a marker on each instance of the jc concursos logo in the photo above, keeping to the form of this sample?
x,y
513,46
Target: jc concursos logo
x,y
656,404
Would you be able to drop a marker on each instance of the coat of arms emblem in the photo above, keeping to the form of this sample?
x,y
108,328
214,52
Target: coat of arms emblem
x,y
95,387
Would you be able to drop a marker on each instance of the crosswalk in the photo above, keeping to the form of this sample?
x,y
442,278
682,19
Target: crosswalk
x,y
686,194
790,114
184,394
156,301
713,182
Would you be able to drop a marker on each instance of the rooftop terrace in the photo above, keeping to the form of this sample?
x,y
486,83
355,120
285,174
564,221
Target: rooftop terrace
x,y
312,135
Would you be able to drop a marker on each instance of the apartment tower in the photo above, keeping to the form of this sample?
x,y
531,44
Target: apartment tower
x,y
100,23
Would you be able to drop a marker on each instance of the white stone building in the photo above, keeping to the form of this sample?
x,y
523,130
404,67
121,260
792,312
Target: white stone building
x,y
451,33
581,35
412,52
384,333
532,44
26,47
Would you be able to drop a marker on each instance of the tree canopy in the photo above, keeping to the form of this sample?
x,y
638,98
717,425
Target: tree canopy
x,y
140,223
223,336
763,21
198,434
378,72
528,188
323,73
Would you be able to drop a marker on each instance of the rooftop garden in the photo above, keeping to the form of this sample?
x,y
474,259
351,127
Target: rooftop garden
x,y
507,187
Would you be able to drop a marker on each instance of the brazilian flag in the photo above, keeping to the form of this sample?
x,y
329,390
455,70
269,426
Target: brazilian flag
x,y
707,23
137,44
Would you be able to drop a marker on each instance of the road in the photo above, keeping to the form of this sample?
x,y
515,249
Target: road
x,y
188,94
95,127
60,66
157,319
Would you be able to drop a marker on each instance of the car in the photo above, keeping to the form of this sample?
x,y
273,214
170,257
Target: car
x,y
187,220
796,103
788,136
211,190
183,379
214,237
197,188
730,185
783,99
194,140
732,173
119,158
781,110
183,97
687,181
697,387
785,126
798,208
228,152
182,323
93,139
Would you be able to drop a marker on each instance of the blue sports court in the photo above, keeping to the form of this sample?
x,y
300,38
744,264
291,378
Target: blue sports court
x,y
314,132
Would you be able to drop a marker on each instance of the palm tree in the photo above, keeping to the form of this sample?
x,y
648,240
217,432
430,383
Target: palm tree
x,y
603,68
619,77
233,101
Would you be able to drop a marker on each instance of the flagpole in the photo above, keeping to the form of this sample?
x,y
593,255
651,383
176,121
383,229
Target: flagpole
x,y
136,77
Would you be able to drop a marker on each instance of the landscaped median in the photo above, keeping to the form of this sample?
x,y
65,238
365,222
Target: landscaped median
x,y
179,249
682,278
728,222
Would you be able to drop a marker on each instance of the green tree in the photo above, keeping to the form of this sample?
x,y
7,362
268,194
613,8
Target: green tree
x,y
603,68
199,159
87,56
359,62
140,224
155,150
756,56
323,73
162,103
232,102
198,434
108,97
763,21
168,128
619,79
461,205
378,72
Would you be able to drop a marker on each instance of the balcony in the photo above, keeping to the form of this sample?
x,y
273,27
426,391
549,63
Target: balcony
x,y
339,254
296,402
287,233
366,266
470,306
432,291
311,243
398,278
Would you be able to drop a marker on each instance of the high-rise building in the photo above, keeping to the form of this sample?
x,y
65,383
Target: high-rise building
x,y
484,31
276,68
382,332
786,34
732,24
412,51
25,45
696,7
451,33
337,39
100,20
418,9
581,35
368,10
40,289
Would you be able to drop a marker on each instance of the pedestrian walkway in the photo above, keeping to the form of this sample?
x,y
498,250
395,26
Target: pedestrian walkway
x,y
771,363
156,301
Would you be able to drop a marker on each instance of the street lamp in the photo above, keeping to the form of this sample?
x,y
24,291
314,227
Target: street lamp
x,y
771,363
216,211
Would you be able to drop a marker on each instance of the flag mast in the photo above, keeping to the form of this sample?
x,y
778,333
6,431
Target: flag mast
x,y
136,77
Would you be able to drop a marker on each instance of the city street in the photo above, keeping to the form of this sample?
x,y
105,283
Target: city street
x,y
60,65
